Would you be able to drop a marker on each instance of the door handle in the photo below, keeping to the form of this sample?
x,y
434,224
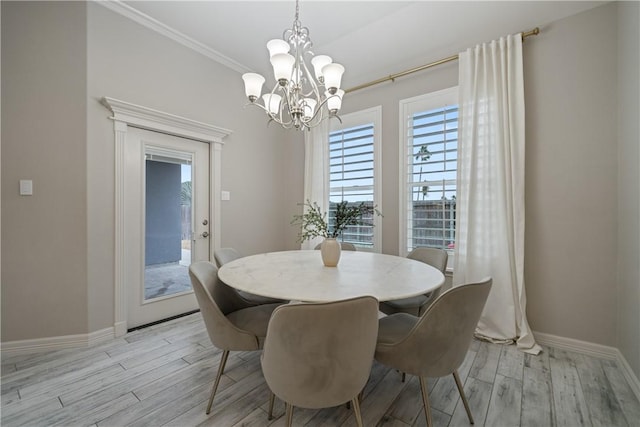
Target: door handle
x,y
205,234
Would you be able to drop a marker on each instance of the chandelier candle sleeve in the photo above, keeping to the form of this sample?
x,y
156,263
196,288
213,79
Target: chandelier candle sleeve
x,y
276,46
318,62
334,102
272,102
300,99
332,76
252,85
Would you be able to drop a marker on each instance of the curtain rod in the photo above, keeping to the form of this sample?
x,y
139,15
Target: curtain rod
x,y
392,77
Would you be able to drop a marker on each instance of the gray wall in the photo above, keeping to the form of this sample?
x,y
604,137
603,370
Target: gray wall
x,y
628,335
571,177
44,138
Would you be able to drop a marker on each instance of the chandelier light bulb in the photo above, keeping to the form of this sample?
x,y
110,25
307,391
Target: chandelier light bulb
x,y
252,85
332,76
334,102
309,106
277,46
318,62
272,102
282,67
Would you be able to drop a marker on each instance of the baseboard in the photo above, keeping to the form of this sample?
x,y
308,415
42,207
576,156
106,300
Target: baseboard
x,y
595,350
582,347
12,348
120,328
629,375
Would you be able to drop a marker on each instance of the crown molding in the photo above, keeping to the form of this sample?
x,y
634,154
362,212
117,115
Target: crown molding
x,y
148,118
175,35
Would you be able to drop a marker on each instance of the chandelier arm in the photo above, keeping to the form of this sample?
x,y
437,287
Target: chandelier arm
x,y
279,117
272,118
320,110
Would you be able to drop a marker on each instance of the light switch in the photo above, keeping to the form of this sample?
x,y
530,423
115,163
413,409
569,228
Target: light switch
x,y
225,195
26,187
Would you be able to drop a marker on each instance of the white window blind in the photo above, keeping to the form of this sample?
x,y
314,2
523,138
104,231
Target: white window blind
x,y
429,157
353,165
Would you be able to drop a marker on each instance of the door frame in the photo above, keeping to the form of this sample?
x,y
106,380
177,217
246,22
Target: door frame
x,y
126,114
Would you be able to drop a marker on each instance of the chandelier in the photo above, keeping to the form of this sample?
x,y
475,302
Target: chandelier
x,y
299,99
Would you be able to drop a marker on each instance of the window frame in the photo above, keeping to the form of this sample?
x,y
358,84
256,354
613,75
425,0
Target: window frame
x,y
358,118
408,107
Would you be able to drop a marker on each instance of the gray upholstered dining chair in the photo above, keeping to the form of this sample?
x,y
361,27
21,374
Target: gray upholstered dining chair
x,y
320,355
345,246
435,344
232,324
225,255
417,305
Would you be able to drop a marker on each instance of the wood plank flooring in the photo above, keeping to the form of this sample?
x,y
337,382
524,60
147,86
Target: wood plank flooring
x,y
161,376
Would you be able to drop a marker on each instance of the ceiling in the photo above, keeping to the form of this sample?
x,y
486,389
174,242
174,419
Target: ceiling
x,y
372,39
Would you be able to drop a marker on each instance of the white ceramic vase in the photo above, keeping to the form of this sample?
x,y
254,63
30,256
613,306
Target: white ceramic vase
x,y
330,251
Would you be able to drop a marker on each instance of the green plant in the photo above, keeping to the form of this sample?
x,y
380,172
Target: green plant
x,y
315,223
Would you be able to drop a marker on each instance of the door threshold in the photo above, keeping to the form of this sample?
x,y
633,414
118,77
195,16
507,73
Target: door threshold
x,y
162,321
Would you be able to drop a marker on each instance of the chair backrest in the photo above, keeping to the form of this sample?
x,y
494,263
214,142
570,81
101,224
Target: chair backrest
x,y
345,246
438,343
433,256
320,355
225,255
216,300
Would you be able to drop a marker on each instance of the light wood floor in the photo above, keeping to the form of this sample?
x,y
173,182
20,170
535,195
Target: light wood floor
x,y
162,376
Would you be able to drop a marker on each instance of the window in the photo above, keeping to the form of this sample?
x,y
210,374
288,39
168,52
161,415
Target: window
x,y
428,163
354,147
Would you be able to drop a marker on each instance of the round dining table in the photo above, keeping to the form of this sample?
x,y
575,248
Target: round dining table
x,y
300,275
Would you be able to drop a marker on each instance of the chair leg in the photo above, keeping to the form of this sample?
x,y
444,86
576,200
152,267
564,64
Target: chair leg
x,y
289,414
223,361
356,411
404,376
272,399
359,397
425,402
462,395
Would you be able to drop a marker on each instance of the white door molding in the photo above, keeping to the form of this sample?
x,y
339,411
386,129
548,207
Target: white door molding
x,y
126,114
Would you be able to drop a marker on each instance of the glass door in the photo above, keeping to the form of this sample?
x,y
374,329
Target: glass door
x,y
172,218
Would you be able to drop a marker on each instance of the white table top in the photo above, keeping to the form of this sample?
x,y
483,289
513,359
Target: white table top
x,y
301,276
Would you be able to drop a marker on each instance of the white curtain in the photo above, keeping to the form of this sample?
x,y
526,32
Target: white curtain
x,y
490,194
316,171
